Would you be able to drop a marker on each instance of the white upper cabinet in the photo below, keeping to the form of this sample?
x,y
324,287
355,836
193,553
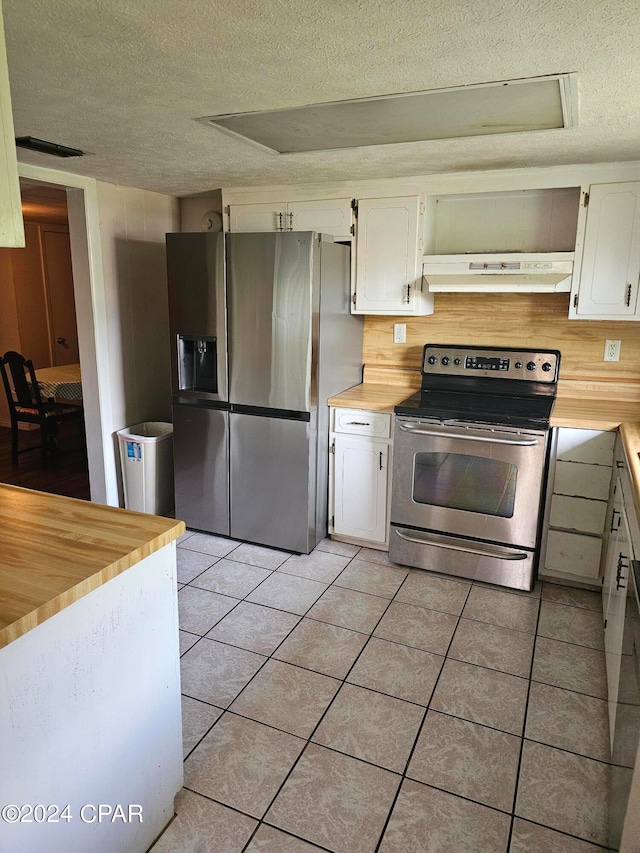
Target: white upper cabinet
x,y
389,257
257,217
607,285
327,216
11,224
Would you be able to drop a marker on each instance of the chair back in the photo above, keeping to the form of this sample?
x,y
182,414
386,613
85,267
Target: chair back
x,y
21,391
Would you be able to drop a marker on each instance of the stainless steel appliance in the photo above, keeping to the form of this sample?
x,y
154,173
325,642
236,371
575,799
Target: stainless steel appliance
x,y
262,336
470,457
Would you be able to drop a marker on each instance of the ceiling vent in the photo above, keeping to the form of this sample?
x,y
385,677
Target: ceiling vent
x,y
44,147
509,106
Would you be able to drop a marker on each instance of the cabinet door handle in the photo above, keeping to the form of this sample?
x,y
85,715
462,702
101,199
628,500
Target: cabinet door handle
x,y
381,460
280,228
291,222
619,576
614,526
408,297
627,301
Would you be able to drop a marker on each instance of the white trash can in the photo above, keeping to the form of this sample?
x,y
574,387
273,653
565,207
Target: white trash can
x,y
146,458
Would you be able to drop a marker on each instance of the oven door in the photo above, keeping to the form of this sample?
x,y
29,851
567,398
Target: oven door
x,y
468,480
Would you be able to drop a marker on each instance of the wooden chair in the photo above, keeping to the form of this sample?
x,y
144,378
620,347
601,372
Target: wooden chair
x,y
27,406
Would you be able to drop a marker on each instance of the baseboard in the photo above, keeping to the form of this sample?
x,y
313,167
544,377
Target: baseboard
x,y
26,427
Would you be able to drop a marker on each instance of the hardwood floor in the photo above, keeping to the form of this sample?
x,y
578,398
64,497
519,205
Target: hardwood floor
x,y
67,472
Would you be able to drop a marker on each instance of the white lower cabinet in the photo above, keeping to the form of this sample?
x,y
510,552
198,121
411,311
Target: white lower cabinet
x,y
360,476
614,594
577,495
360,503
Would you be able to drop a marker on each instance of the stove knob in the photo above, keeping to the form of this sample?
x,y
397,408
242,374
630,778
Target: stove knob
x,y
432,359
546,367
518,365
457,361
445,360
531,365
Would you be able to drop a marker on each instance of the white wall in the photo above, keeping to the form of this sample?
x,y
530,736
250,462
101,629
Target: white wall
x,y
117,241
194,209
133,224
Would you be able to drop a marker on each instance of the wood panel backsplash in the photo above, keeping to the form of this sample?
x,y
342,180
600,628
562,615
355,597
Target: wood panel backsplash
x,y
511,320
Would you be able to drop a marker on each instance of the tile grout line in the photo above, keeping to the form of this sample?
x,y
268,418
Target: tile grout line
x,y
227,710
524,728
421,726
309,739
343,680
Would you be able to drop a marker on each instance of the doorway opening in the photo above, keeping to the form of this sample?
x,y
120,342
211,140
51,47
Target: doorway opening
x,y
40,322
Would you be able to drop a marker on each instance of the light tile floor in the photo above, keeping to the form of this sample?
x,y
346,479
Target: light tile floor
x,y
336,702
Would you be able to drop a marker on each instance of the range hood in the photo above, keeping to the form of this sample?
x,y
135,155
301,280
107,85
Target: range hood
x,y
511,272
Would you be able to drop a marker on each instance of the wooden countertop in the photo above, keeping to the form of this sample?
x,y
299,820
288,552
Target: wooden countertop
x,y
570,410
631,441
593,413
54,550
371,396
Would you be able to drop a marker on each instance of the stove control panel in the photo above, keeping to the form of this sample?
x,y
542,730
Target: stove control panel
x,y
528,365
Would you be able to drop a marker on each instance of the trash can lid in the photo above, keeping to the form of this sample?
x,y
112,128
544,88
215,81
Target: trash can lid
x,y
149,430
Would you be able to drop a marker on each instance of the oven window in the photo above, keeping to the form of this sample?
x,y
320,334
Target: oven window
x,y
471,483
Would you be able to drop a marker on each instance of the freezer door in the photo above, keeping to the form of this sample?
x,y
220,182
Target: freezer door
x,y
197,315
270,319
273,481
201,467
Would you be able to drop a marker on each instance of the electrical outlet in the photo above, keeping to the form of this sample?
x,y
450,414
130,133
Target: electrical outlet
x,y
611,351
399,333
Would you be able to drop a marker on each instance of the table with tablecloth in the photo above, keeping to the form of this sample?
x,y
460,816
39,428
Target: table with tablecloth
x,y
63,382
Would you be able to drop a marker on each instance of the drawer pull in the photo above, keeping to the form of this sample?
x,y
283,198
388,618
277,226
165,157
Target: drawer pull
x,y
619,576
358,423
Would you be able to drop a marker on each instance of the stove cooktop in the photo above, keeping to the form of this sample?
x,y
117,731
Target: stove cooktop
x,y
479,408
488,385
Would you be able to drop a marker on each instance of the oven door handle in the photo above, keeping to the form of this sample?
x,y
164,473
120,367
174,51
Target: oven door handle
x,y
454,545
519,442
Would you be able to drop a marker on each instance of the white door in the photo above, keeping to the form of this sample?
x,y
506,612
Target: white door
x,y
360,488
258,217
618,580
609,580
611,259
388,256
329,216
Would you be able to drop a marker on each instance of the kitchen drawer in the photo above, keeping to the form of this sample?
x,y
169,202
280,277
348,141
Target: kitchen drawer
x,y
361,422
573,554
629,503
584,481
585,445
580,514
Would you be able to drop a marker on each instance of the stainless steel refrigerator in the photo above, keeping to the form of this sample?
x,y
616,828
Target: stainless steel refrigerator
x,y
261,337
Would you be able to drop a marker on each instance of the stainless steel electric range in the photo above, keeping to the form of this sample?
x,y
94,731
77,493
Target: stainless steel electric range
x,y
470,463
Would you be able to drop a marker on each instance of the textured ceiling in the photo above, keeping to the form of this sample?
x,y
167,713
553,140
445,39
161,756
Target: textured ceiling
x,y
125,80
